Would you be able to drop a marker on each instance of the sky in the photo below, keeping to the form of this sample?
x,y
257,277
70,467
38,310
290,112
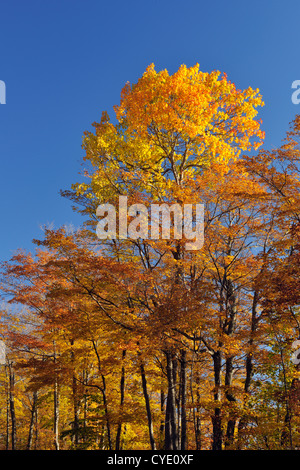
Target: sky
x,y
63,62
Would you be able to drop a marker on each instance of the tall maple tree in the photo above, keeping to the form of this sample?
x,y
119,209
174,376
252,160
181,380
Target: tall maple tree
x,y
174,135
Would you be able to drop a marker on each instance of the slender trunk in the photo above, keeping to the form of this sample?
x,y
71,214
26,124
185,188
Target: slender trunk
x,y
147,401
196,417
32,420
176,408
55,402
106,412
7,407
171,437
249,358
12,406
56,414
228,383
75,437
36,434
175,422
85,404
249,365
103,391
183,399
197,424
229,330
168,433
162,422
286,436
75,411
100,441
122,393
216,418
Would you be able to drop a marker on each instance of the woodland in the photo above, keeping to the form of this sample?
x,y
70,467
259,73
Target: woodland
x,y
140,344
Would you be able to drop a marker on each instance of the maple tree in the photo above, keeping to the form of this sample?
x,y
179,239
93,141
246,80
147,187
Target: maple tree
x,y
141,343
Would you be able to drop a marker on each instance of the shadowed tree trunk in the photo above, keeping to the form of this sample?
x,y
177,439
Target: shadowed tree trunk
x,y
249,365
216,418
122,392
148,408
228,382
56,415
12,406
171,432
32,420
183,399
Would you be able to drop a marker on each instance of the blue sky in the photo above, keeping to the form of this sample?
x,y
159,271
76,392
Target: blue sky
x,y
65,61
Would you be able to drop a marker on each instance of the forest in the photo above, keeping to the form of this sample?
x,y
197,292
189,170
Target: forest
x,y
138,343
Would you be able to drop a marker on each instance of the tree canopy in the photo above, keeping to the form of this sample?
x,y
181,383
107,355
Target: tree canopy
x,y
140,343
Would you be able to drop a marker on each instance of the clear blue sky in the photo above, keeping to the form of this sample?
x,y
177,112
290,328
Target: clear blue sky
x,y
65,61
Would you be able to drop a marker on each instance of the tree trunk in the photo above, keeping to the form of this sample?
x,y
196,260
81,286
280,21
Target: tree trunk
x,y
7,387
12,406
85,404
183,399
56,415
76,411
197,426
106,412
75,437
216,418
32,420
228,383
249,358
249,365
171,435
147,401
103,391
229,329
196,410
36,434
122,390
162,421
286,436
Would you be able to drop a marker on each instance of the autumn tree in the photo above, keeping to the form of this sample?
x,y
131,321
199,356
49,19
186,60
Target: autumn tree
x,y
173,133
278,172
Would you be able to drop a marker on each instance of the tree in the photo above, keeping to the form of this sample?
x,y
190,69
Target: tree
x,y
173,135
